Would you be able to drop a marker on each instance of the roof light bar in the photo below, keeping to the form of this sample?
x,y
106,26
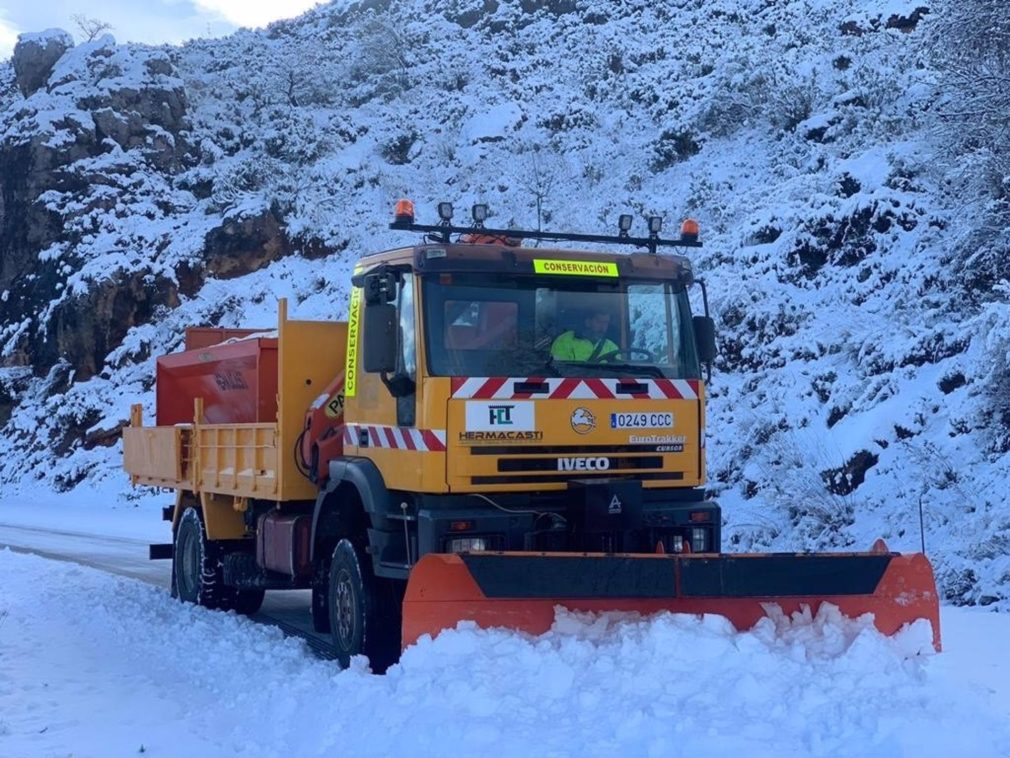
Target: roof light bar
x,y
442,233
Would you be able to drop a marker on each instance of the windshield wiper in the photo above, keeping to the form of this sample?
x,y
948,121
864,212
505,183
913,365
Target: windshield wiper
x,y
551,366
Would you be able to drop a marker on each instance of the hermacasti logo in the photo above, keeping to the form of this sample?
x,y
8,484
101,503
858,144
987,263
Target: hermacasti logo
x,y
498,420
583,421
499,415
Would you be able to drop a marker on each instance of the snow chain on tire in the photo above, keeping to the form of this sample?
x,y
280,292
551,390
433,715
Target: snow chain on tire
x,y
197,571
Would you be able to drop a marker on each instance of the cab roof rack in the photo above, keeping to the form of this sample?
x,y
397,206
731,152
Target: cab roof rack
x,y
404,221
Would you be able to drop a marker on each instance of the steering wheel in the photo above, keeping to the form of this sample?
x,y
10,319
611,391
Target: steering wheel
x,y
628,352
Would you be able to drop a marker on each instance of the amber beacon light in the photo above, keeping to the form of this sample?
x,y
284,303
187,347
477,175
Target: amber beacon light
x,y
689,230
404,212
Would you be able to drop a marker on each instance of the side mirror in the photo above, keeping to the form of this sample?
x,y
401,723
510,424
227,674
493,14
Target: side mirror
x,y
380,288
380,331
704,336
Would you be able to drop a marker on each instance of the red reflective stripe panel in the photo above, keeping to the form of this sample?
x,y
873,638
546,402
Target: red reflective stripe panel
x,y
561,388
599,389
431,441
490,387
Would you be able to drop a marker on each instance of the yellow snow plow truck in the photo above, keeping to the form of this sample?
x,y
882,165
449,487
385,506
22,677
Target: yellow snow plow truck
x,y
495,431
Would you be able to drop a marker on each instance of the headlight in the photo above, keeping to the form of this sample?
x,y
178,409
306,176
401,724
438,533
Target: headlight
x,y
465,544
698,540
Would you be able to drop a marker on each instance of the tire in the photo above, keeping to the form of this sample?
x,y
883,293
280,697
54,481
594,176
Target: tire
x,y
197,570
364,615
197,576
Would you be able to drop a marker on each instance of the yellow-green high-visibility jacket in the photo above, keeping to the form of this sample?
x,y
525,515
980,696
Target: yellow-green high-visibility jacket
x,y
569,347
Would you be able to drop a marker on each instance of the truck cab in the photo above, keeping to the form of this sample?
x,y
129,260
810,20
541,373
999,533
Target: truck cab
x,y
490,437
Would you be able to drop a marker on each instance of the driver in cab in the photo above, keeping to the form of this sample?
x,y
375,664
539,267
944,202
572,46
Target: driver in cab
x,y
587,344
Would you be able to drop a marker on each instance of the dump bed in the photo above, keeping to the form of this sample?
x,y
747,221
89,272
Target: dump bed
x,y
229,415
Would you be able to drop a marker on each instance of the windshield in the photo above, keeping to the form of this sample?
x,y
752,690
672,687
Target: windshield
x,y
488,325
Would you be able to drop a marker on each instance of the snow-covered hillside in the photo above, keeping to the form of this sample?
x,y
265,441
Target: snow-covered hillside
x,y
857,383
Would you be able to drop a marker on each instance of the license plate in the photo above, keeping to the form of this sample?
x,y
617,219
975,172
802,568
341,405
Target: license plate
x,y
641,420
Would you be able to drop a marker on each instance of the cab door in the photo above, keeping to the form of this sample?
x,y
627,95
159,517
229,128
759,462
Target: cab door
x,y
385,423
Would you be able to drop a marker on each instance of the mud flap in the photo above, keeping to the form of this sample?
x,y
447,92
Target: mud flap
x,y
520,590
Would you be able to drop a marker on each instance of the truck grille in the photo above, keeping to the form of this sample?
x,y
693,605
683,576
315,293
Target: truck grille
x,y
569,475
560,449
561,464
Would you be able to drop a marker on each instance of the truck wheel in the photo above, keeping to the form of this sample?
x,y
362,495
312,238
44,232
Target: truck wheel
x,y
363,616
197,571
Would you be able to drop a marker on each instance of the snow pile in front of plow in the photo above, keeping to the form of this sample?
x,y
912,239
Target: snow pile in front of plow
x,y
670,683
97,665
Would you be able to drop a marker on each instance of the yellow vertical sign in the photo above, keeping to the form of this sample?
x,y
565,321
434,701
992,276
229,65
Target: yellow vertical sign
x,y
353,322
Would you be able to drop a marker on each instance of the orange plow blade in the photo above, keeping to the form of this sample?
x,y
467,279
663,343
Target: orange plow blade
x,y
520,590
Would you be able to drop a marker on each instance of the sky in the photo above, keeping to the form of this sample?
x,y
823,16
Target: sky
x,y
155,21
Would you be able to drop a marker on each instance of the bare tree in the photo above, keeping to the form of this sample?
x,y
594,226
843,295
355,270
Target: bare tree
x,y
970,46
971,49
381,57
538,176
90,28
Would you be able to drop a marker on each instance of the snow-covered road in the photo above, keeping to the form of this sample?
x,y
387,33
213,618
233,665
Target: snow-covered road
x,y
95,664
125,554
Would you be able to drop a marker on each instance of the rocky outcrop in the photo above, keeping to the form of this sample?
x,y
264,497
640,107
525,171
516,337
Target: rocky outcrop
x,y
86,328
92,116
243,245
90,160
35,55
26,226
